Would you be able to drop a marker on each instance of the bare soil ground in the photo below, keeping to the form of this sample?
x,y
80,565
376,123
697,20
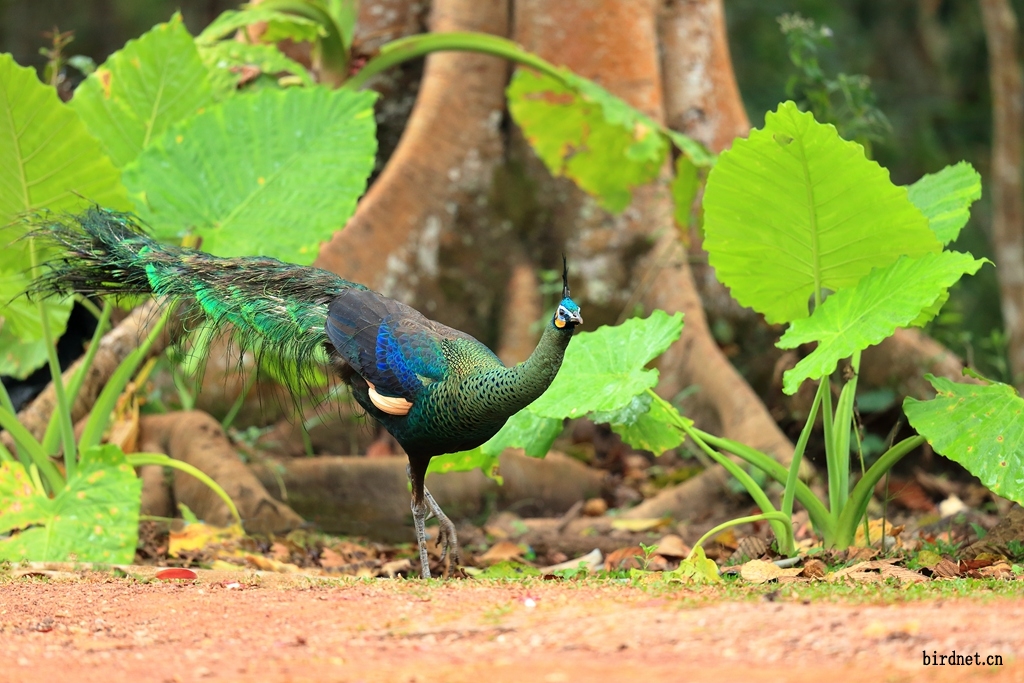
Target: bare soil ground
x,y
226,627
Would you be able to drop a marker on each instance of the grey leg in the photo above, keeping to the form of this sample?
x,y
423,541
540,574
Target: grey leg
x,y
419,518
446,537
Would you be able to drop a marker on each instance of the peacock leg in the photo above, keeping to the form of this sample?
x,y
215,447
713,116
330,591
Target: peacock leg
x,y
419,520
446,536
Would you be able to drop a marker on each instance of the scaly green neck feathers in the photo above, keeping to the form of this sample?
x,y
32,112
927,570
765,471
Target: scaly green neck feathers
x,y
520,385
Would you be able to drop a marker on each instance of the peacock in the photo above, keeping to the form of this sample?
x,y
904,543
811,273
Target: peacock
x,y
435,389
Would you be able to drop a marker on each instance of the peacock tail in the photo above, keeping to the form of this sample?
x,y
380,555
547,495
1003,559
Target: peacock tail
x,y
276,308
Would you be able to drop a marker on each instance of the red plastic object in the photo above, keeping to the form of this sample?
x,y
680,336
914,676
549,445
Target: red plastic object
x,y
176,573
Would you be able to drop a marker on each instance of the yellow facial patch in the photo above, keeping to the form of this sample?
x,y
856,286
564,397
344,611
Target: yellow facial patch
x,y
559,323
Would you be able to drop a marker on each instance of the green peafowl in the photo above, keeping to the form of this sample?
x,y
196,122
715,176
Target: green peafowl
x,y
435,389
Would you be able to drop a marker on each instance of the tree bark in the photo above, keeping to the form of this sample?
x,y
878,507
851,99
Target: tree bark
x,y
446,154
196,438
701,95
1001,31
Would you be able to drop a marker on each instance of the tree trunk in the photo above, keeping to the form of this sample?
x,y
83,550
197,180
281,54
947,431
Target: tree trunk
x,y
602,245
1001,32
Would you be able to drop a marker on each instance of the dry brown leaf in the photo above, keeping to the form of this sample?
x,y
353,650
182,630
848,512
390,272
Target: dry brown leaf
x,y
902,574
875,528
625,558
860,554
751,548
862,571
762,571
999,570
814,569
793,579
268,565
502,551
592,561
946,569
672,546
727,539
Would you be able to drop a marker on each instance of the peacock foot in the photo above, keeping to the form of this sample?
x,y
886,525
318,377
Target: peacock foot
x,y
447,539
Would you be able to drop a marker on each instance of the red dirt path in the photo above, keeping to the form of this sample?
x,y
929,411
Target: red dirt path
x,y
117,630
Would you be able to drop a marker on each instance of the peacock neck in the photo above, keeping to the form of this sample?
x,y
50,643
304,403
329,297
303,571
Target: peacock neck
x,y
533,376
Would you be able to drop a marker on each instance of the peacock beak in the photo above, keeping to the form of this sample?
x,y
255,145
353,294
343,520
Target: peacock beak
x,y
575,318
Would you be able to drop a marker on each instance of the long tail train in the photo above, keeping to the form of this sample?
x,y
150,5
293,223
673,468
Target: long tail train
x,y
269,305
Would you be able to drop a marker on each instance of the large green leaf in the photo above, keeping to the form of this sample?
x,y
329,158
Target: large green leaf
x,y
229,62
583,132
980,427
795,208
946,197
279,25
22,344
653,431
94,518
464,461
604,370
853,319
273,173
142,89
527,430
48,160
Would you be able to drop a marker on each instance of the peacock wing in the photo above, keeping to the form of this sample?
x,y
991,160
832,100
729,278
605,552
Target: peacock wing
x,y
391,345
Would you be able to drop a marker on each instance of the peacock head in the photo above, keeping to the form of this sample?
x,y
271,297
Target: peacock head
x,y
567,315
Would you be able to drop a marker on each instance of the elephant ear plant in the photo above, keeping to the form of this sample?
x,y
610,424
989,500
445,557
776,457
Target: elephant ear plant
x,y
806,230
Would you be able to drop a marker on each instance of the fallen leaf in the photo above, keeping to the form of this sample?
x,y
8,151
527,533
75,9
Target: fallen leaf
x,y
875,529
750,548
951,506
270,565
999,570
502,551
902,574
727,539
592,561
636,525
946,569
672,546
928,558
814,569
625,558
762,571
861,571
860,554
197,536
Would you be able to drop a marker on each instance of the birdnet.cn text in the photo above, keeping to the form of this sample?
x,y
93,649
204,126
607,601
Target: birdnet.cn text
x,y
956,659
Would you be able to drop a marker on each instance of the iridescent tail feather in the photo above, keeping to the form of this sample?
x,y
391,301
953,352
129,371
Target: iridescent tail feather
x,y
278,310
